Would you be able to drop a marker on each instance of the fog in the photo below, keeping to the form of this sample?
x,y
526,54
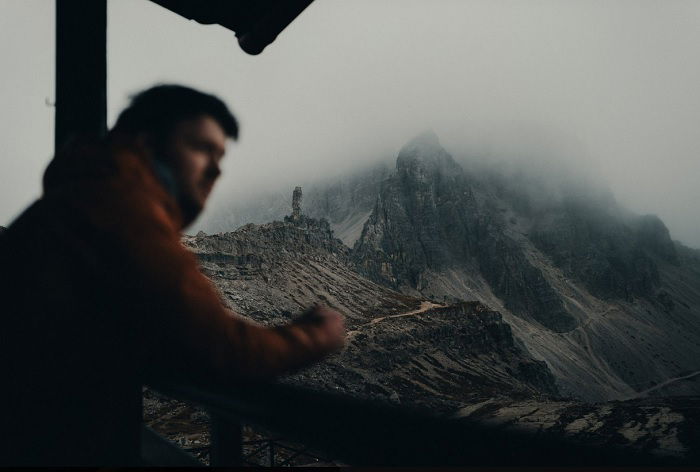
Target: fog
x,y
609,88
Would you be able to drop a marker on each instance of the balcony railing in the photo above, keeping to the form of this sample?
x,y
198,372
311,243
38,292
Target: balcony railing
x,y
361,432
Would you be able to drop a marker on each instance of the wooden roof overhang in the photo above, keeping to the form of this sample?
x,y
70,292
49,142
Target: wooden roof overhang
x,y
81,49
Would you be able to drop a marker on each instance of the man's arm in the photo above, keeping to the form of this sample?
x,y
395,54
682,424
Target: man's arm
x,y
182,322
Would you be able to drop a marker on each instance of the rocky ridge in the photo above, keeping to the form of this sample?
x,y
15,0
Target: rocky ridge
x,y
428,218
586,286
345,201
458,358
448,353
599,297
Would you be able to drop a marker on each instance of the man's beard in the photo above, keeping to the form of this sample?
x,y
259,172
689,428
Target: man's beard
x,y
190,209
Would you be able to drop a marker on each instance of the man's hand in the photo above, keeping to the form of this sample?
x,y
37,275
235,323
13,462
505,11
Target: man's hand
x,y
324,327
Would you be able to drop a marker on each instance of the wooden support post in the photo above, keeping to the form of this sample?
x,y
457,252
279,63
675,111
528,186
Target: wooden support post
x,y
81,69
226,442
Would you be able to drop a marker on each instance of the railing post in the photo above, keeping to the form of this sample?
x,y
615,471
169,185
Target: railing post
x,y
226,441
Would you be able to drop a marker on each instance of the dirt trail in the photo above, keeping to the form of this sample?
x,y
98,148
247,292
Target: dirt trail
x,y
663,384
424,306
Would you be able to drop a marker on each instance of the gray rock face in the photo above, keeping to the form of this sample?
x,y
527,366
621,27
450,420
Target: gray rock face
x,y
428,218
604,296
598,254
275,270
400,348
347,202
587,286
344,201
439,358
461,359
594,241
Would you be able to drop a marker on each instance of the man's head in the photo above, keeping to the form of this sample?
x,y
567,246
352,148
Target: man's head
x,y
186,132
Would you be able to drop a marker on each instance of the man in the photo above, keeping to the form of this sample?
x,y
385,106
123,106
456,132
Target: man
x,y
98,294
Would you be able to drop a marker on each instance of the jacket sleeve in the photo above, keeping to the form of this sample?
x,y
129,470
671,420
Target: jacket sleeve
x,y
182,324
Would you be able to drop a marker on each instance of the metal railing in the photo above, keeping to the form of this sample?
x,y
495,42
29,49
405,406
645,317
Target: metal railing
x,y
363,432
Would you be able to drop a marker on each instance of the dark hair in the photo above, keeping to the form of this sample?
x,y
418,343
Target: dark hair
x,y
159,109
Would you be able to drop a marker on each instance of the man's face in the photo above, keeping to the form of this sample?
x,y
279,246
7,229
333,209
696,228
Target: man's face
x,y
194,150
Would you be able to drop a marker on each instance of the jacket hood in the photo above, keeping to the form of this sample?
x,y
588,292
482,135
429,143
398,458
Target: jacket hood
x,y
81,158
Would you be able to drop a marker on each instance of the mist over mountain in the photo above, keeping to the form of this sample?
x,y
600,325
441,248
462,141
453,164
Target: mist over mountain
x,y
586,285
604,296
498,293
345,200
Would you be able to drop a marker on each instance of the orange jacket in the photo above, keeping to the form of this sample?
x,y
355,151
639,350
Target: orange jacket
x,y
100,295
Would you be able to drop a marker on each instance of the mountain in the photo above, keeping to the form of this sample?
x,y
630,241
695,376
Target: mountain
x,y
480,291
346,201
429,221
457,358
603,296
450,353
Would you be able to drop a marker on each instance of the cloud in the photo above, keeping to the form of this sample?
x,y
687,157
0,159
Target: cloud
x,y
613,84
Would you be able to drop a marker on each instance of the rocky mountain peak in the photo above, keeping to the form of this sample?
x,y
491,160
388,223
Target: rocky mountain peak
x,y
653,235
586,285
424,155
593,281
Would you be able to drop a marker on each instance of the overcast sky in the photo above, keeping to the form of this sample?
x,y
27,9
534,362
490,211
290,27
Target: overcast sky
x,y
612,85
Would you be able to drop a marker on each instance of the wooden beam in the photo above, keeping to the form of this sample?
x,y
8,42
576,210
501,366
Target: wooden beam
x,y
81,69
